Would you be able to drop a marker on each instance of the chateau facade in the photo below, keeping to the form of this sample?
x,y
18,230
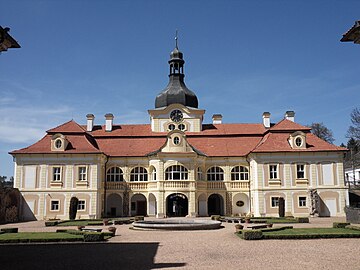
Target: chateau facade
x,y
178,166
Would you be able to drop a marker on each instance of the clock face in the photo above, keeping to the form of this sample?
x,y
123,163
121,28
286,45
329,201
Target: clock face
x,y
176,115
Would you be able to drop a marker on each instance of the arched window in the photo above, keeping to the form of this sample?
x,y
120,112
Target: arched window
x,y
240,173
215,174
153,173
176,172
139,174
114,174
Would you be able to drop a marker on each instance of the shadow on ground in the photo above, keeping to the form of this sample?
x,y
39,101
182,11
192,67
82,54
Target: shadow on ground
x,y
82,256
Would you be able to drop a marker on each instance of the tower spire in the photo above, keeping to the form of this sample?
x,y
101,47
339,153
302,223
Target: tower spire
x,y
176,39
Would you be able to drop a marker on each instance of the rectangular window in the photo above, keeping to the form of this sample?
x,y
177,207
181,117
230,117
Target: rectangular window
x,y
56,174
82,173
300,171
274,201
54,205
81,205
302,201
273,171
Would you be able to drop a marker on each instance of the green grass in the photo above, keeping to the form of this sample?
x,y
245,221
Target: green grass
x,y
39,237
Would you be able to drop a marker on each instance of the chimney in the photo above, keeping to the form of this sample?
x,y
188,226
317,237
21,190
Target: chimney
x,y
217,119
108,121
90,122
290,115
266,119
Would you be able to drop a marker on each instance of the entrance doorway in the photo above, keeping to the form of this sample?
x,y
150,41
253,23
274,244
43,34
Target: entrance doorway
x,y
177,205
138,205
215,205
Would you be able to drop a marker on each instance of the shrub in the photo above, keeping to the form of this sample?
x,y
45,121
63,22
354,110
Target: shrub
x,y
62,230
93,237
215,217
252,235
112,230
95,223
9,230
352,227
51,223
137,218
302,219
73,208
340,224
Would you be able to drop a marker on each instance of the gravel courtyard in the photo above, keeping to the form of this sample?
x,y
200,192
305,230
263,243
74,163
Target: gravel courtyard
x,y
215,249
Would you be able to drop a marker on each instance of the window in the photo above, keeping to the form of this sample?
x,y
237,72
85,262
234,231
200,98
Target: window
x,y
274,201
300,171
182,127
298,141
54,205
215,174
171,127
176,140
273,171
153,173
199,174
58,143
302,201
139,174
81,205
56,174
239,173
176,172
114,174
82,173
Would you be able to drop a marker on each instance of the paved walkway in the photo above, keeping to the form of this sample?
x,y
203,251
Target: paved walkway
x,y
222,249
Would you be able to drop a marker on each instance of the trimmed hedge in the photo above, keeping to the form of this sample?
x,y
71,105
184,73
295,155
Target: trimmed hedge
x,y
302,219
252,235
10,230
215,217
310,236
352,227
138,218
93,237
51,223
95,223
340,224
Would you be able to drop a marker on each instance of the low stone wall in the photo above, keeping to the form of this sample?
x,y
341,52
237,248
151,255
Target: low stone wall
x,y
352,215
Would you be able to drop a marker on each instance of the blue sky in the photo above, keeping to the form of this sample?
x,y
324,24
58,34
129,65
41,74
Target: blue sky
x,y
242,58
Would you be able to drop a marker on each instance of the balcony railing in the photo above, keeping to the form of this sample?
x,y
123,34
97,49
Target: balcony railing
x,y
179,185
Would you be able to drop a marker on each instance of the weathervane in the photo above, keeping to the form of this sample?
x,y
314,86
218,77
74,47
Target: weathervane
x,y
176,39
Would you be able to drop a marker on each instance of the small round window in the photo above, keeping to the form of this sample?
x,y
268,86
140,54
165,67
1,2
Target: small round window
x,y
181,127
298,141
240,203
176,140
58,143
171,127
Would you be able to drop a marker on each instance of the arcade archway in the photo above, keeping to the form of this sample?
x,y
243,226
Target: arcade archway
x,y
177,205
215,205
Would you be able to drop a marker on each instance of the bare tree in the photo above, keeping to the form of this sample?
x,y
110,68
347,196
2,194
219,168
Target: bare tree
x,y
321,131
354,130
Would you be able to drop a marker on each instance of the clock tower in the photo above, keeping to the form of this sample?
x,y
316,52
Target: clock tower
x,y
176,107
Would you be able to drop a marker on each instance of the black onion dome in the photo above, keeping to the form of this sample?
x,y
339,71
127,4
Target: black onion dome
x,y
176,91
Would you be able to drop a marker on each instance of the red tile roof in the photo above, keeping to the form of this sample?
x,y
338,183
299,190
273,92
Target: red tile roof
x,y
215,140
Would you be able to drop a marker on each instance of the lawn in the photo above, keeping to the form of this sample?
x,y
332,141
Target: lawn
x,y
39,237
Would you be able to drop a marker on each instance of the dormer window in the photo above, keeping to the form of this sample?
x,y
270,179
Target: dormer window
x,y
182,127
171,127
176,140
297,140
58,142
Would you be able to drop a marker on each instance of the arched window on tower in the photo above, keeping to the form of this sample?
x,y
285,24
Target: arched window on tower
x,y
138,174
215,174
114,174
240,173
176,172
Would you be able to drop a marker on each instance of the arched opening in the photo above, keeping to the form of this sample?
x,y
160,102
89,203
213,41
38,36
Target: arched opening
x,y
215,205
114,205
152,205
177,205
138,205
240,204
202,205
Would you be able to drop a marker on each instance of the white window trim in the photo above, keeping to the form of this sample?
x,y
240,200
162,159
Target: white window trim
x,y
79,174
53,174
304,171
277,171
298,200
82,210
59,206
271,200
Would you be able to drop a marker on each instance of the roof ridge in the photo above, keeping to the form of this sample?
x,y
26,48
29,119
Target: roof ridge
x,y
55,129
